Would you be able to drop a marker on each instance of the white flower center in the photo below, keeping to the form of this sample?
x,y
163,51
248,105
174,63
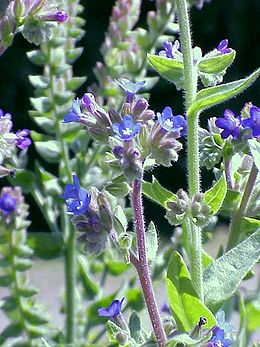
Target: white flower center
x,y
219,343
168,123
127,131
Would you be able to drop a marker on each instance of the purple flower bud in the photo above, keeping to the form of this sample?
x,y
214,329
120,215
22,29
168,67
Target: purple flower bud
x,y
113,310
22,140
118,151
74,113
8,203
230,123
223,47
126,130
253,122
172,123
57,16
218,339
77,198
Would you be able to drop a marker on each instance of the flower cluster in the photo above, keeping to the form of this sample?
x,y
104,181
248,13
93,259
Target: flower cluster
x,y
92,215
233,125
136,133
33,17
12,206
8,139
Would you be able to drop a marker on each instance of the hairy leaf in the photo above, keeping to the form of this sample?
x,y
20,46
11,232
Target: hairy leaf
x,y
215,196
157,193
184,302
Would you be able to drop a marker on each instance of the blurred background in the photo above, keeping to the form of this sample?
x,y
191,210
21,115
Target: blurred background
x,y
237,20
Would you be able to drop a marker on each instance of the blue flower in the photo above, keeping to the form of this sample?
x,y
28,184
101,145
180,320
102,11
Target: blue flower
x,y
126,130
77,198
74,113
22,140
218,339
230,123
223,47
8,203
113,310
171,50
253,121
170,122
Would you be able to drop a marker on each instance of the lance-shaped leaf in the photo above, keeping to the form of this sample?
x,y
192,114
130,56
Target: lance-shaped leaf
x,y
213,65
185,339
184,302
157,193
170,69
209,97
249,225
215,196
223,276
151,242
254,146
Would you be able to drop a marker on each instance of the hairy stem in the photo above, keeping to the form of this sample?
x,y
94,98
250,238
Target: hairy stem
x,y
141,263
190,85
234,233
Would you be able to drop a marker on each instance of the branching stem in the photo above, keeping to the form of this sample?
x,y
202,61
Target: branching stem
x,y
141,263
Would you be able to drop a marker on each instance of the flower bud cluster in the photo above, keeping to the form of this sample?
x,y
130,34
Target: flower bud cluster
x,y
185,207
135,134
33,17
92,215
9,140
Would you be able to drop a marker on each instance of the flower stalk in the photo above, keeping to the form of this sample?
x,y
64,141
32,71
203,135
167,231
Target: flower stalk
x,y
141,264
190,84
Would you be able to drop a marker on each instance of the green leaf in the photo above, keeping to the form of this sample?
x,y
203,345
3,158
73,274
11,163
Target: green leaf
x,y
253,315
215,196
223,276
135,328
9,304
116,268
39,82
213,65
22,264
75,82
37,57
254,146
151,242
45,245
230,202
5,280
184,302
249,225
12,330
157,193
186,340
134,297
34,317
91,288
27,291
170,69
206,259
49,150
73,54
209,97
42,104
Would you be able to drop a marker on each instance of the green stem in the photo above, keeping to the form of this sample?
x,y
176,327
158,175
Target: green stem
x,y
69,234
234,233
190,85
70,266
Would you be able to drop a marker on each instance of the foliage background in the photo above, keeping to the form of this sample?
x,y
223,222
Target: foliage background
x,y
237,20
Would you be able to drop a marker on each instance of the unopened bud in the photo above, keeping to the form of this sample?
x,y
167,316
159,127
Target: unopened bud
x,y
121,338
125,241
